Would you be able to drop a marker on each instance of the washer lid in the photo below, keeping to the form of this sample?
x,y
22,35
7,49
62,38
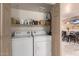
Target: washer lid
x,y
23,37
22,33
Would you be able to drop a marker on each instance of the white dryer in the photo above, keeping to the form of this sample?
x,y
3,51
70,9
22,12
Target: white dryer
x,y
42,45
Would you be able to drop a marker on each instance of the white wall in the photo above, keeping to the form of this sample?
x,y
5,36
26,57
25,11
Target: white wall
x,y
68,10
26,14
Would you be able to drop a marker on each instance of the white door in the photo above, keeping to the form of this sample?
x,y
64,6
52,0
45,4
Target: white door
x,y
42,46
22,46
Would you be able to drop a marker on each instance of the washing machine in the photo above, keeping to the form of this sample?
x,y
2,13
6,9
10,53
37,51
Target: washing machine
x,y
22,44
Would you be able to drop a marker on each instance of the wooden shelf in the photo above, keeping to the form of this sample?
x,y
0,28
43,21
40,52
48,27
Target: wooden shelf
x,y
20,25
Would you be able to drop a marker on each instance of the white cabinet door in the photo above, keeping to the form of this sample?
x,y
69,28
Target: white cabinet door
x,y
22,47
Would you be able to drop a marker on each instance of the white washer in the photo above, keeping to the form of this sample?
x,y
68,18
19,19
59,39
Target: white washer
x,y
42,45
22,46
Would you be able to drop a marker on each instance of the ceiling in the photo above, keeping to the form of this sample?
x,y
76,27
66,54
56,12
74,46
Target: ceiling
x,y
41,7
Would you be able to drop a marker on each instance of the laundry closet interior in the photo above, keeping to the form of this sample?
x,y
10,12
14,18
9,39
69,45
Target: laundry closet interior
x,y
28,29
